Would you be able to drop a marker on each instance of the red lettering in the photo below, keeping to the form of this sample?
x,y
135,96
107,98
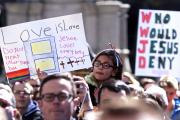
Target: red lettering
x,y
146,17
67,38
144,31
143,49
12,68
142,62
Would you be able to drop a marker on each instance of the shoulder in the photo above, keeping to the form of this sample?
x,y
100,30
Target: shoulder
x,y
35,115
33,112
176,111
176,115
90,80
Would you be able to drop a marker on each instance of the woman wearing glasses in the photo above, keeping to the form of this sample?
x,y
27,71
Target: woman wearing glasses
x,y
106,65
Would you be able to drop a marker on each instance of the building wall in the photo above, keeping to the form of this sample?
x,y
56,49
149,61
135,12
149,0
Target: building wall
x,y
104,21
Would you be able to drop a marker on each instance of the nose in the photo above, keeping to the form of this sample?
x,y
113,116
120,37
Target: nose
x,y
100,66
21,94
56,100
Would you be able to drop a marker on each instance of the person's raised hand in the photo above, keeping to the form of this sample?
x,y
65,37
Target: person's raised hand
x,y
41,74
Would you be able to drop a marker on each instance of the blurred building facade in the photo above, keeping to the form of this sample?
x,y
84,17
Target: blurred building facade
x,y
104,21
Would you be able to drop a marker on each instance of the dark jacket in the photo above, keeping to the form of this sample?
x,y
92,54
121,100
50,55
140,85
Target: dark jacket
x,y
93,87
33,112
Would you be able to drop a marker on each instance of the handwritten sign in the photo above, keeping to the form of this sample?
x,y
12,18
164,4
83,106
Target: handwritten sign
x,y
53,45
16,64
158,43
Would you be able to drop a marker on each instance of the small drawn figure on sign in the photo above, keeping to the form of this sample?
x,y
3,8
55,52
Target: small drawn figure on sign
x,y
70,62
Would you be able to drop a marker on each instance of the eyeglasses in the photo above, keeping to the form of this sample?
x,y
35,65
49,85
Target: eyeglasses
x,y
24,93
104,65
49,97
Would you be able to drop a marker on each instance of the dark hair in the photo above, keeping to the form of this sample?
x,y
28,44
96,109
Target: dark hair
x,y
159,101
116,58
130,107
123,112
58,77
114,86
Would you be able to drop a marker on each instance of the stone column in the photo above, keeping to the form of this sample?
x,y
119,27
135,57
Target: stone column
x,y
111,25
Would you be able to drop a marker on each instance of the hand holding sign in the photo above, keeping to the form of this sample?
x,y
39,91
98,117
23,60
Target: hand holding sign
x,y
41,74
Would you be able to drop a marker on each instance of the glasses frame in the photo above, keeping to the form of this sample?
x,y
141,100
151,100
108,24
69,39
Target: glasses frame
x,y
53,96
24,93
104,65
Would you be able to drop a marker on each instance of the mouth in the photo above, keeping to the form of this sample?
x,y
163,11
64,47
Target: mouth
x,y
99,73
21,101
57,111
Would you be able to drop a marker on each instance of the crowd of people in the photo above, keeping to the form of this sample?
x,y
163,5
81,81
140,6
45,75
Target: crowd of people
x,y
106,93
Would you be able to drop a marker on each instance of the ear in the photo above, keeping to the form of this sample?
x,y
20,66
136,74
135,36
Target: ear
x,y
40,103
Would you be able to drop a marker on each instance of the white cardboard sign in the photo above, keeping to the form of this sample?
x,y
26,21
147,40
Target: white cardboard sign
x,y
158,43
52,45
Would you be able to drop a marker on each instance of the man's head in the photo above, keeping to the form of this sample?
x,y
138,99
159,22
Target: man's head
x,y
170,85
129,109
128,78
23,94
57,93
35,83
7,97
110,89
147,82
158,93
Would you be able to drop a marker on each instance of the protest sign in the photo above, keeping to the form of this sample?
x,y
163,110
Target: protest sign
x,y
158,42
53,45
16,64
